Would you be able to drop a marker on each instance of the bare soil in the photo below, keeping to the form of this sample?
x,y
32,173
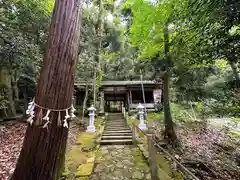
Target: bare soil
x,y
11,140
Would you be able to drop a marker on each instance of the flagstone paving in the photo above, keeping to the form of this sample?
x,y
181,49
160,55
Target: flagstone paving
x,y
120,162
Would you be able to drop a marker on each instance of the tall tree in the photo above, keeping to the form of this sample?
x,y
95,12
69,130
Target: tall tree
x,y
23,28
97,71
42,155
218,21
154,41
169,130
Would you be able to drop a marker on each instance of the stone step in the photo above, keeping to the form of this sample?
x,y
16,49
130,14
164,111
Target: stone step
x,y
116,124
117,134
116,142
116,137
123,126
115,121
115,117
117,129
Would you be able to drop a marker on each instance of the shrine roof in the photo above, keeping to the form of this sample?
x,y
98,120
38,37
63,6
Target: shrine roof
x,y
117,83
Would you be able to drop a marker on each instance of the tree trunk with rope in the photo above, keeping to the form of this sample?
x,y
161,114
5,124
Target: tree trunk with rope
x,y
43,151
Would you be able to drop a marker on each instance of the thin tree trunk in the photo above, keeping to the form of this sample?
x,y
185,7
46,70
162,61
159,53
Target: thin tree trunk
x,y
94,86
43,152
6,86
25,101
130,92
169,129
14,85
11,109
85,101
143,93
235,72
97,70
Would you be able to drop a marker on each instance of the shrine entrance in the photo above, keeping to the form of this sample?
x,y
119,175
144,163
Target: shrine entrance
x,y
128,94
113,106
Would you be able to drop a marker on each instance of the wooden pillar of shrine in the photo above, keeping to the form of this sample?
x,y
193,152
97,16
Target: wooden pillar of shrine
x,y
102,102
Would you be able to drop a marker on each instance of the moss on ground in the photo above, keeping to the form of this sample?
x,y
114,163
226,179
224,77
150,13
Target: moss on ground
x,y
152,116
166,172
84,170
163,164
166,167
75,158
99,156
139,161
82,178
81,157
86,139
132,121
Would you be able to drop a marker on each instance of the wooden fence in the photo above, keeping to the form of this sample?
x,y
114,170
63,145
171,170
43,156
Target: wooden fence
x,y
151,155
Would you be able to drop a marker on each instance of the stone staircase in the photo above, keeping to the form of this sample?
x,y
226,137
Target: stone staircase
x,y
116,131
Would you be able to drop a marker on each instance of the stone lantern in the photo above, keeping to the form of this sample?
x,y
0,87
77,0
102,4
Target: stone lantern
x,y
141,125
91,127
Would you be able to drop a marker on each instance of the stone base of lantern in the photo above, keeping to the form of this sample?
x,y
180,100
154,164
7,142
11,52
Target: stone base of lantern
x,y
91,129
142,127
101,113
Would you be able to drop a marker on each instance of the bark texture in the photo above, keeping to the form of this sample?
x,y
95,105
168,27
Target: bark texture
x,y
43,151
169,129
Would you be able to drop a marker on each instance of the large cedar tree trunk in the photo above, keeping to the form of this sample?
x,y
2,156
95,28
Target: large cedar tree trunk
x,y
43,151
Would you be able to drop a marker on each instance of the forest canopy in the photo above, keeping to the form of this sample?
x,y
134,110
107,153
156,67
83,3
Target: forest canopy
x,y
189,48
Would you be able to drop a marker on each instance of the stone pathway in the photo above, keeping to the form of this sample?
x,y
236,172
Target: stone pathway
x,y
120,162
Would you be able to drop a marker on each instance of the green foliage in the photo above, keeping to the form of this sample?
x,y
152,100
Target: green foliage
x,y
23,29
149,21
203,46
184,112
220,107
236,120
23,32
155,116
